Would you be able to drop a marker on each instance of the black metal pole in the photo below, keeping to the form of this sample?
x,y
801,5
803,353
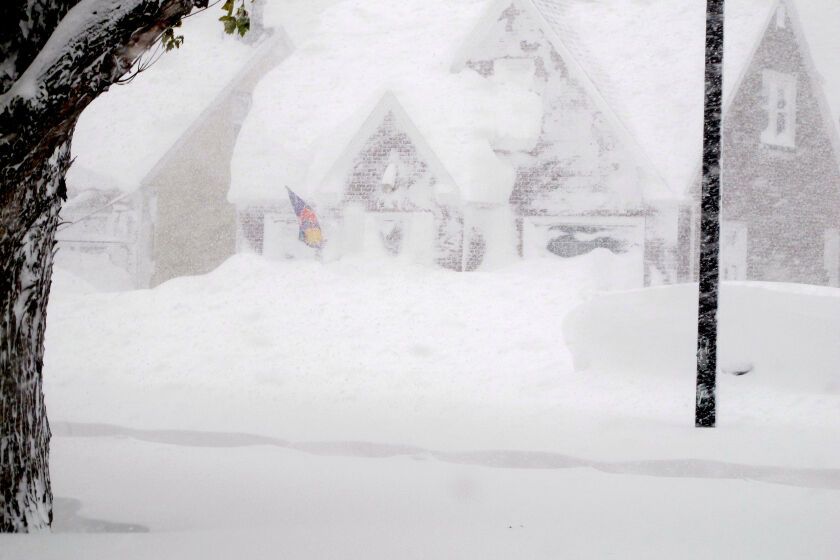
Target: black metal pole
x,y
705,408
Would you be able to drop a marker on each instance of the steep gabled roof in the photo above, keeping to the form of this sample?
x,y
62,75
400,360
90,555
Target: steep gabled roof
x,y
126,131
830,118
650,56
819,21
547,14
334,179
277,44
733,81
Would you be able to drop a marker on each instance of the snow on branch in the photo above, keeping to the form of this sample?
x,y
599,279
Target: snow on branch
x,y
93,45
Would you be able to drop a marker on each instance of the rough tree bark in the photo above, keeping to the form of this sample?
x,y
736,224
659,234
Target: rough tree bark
x,y
705,413
56,56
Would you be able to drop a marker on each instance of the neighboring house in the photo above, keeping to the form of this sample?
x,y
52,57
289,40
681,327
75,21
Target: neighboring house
x,y
105,234
781,107
148,191
586,184
195,226
780,217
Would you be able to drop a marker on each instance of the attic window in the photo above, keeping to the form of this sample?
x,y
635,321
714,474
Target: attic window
x,y
389,177
780,104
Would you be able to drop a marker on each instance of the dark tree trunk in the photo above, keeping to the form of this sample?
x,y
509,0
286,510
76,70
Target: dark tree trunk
x,y
26,256
98,46
706,407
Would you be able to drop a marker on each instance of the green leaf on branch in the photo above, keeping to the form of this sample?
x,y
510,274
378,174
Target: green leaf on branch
x,y
243,25
229,23
243,21
238,21
170,40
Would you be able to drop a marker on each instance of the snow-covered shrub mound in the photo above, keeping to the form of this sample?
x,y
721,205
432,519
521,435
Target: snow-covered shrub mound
x,y
66,282
81,273
789,334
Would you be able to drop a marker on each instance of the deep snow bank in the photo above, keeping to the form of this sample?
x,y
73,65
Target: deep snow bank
x,y
378,350
362,329
789,333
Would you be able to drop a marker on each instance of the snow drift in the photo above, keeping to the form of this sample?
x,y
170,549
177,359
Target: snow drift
x,y
788,333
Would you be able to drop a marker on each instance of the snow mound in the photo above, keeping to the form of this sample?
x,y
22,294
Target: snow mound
x,y
369,349
788,333
82,273
66,283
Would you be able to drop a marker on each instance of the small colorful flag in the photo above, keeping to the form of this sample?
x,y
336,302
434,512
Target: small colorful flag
x,y
310,231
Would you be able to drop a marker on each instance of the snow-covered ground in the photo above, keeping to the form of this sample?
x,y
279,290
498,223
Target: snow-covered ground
x,y
369,409
267,503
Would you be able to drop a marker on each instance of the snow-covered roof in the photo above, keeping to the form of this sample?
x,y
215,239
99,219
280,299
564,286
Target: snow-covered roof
x,y
644,58
128,129
85,178
389,105
300,18
548,16
647,58
306,111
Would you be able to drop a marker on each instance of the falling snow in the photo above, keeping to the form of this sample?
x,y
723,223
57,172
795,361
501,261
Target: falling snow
x,y
493,353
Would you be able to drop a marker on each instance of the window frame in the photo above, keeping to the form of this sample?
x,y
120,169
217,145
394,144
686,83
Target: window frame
x,y
774,82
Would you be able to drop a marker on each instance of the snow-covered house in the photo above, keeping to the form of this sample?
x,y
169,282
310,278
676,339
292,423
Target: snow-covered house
x,y
368,123
386,191
780,191
780,208
586,184
393,187
524,154
106,233
610,165
147,193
